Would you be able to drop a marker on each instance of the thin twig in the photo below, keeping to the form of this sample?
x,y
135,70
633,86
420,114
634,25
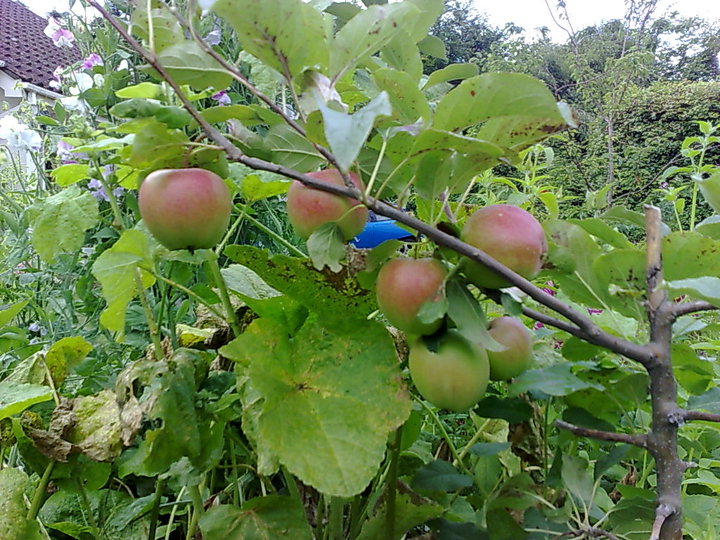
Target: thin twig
x,y
662,512
635,440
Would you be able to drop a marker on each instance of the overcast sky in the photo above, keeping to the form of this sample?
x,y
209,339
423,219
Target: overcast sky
x,y
529,14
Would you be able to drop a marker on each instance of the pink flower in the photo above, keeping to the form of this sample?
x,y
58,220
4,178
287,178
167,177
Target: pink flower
x,y
221,97
60,36
93,60
593,311
64,152
57,77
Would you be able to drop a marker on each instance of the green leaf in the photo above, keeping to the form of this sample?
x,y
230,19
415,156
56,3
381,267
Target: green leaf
x,y
710,188
408,103
346,133
274,517
409,512
116,514
434,46
514,410
13,522
154,143
440,475
60,221
692,373
326,247
116,270
287,35
453,72
145,90
556,380
518,110
70,173
624,215
65,355
468,315
488,449
166,29
341,300
170,115
577,478
690,255
247,283
9,313
337,397
599,229
188,64
292,150
403,55
709,401
222,113
366,33
16,397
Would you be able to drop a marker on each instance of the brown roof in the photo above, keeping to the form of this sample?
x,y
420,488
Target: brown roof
x,y
27,52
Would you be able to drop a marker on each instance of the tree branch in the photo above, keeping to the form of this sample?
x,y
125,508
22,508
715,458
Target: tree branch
x,y
700,415
635,440
587,330
662,512
687,308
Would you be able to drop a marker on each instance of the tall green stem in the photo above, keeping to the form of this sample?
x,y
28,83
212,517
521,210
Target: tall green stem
x,y
230,315
198,511
40,492
444,433
152,325
155,510
391,486
335,525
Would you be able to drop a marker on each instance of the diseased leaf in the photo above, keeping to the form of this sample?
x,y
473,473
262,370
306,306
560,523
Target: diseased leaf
x,y
287,35
336,396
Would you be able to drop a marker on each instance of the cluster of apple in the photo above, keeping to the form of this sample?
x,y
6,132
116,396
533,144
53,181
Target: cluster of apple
x,y
190,209
449,370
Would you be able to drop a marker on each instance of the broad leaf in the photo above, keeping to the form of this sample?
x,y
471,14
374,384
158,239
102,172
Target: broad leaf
x,y
14,524
366,33
556,380
409,512
339,298
346,133
337,397
16,397
274,517
440,475
709,401
452,72
326,247
468,315
287,35
517,109
60,221
118,269
188,64
64,355
70,173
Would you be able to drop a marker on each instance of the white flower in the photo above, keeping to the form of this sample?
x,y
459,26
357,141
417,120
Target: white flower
x,y
83,82
18,135
74,103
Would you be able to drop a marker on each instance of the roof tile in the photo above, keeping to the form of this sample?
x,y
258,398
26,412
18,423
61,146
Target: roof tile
x,y
28,53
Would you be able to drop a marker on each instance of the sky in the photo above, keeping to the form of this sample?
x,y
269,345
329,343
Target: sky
x,y
530,14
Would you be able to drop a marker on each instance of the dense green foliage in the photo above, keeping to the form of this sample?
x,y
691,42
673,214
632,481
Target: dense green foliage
x,y
256,390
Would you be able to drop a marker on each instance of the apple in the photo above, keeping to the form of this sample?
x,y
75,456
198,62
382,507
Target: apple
x,y
185,208
310,208
518,353
455,376
403,286
511,236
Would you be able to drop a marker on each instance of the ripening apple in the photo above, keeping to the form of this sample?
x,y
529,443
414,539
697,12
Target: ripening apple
x,y
309,208
185,208
509,235
518,353
403,286
455,377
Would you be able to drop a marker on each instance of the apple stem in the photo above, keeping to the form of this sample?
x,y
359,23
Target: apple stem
x,y
216,274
